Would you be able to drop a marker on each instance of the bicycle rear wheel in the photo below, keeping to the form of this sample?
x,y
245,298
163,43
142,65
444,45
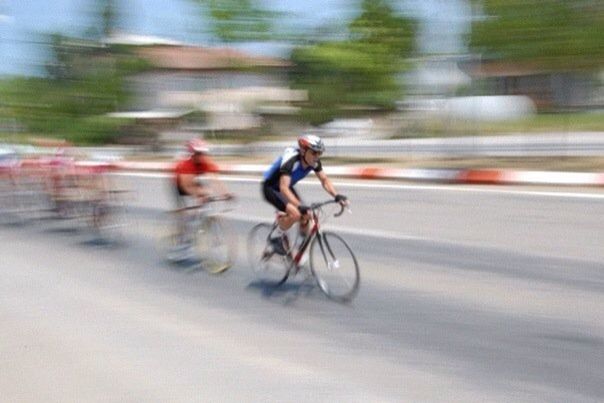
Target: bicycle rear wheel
x,y
216,245
334,266
268,267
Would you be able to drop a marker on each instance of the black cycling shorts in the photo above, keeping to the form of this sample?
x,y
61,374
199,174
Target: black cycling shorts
x,y
275,197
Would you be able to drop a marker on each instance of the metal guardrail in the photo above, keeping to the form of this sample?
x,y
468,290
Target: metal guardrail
x,y
553,144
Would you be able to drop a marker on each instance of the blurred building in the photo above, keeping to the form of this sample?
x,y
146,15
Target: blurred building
x,y
436,75
234,91
549,90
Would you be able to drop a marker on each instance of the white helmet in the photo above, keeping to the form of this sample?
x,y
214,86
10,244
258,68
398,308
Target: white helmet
x,y
312,142
197,146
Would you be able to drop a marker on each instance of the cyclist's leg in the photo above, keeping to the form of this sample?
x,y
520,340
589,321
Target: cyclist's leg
x,y
292,216
180,199
203,191
274,198
304,219
279,202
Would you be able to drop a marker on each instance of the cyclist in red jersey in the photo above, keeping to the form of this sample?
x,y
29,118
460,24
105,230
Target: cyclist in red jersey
x,y
189,188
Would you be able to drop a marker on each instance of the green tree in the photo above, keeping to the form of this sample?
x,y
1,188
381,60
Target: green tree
x,y
549,34
379,27
85,80
238,20
71,109
359,71
105,15
109,16
82,86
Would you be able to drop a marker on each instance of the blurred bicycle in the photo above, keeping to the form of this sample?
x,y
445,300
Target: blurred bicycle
x,y
200,234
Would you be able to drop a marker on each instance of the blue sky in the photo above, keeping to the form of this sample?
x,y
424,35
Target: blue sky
x,y
22,22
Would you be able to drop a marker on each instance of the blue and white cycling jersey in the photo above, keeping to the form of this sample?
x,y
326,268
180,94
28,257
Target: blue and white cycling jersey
x,y
288,164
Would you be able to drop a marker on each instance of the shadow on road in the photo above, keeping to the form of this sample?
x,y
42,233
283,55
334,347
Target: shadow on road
x,y
286,293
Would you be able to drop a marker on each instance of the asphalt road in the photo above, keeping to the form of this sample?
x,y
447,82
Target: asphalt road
x,y
468,294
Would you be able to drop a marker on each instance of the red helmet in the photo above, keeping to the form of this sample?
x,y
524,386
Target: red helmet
x,y
197,146
312,142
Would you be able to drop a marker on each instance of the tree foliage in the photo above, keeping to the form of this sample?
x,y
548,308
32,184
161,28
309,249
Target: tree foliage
x,y
238,20
85,80
359,71
108,15
550,34
82,86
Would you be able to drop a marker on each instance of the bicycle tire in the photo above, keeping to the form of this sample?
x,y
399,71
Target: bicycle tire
x,y
334,266
215,245
269,268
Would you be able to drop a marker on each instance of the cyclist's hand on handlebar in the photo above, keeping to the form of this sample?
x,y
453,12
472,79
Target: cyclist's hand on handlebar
x,y
303,209
343,200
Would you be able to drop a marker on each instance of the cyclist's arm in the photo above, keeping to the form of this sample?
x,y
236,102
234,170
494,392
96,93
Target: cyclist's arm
x,y
189,185
284,182
217,185
326,183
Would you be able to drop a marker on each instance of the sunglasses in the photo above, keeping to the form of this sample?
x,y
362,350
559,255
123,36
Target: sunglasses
x,y
316,153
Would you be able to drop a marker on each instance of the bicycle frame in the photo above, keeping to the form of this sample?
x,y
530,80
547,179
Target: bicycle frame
x,y
307,240
199,214
296,257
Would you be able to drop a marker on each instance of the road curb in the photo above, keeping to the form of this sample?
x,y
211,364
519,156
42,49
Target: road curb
x,y
463,176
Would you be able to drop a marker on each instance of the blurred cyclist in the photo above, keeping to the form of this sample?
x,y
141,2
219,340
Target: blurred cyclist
x,y
61,176
283,174
189,188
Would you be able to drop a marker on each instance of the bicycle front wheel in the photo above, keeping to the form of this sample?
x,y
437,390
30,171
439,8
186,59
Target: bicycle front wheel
x,y
269,268
334,266
216,245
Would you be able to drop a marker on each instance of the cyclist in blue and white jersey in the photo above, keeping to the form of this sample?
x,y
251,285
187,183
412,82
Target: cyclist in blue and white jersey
x,y
284,173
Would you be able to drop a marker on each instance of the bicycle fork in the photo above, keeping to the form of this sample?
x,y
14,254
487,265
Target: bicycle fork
x,y
332,263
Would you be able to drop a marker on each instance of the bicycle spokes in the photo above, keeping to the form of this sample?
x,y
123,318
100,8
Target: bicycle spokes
x,y
268,267
335,267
